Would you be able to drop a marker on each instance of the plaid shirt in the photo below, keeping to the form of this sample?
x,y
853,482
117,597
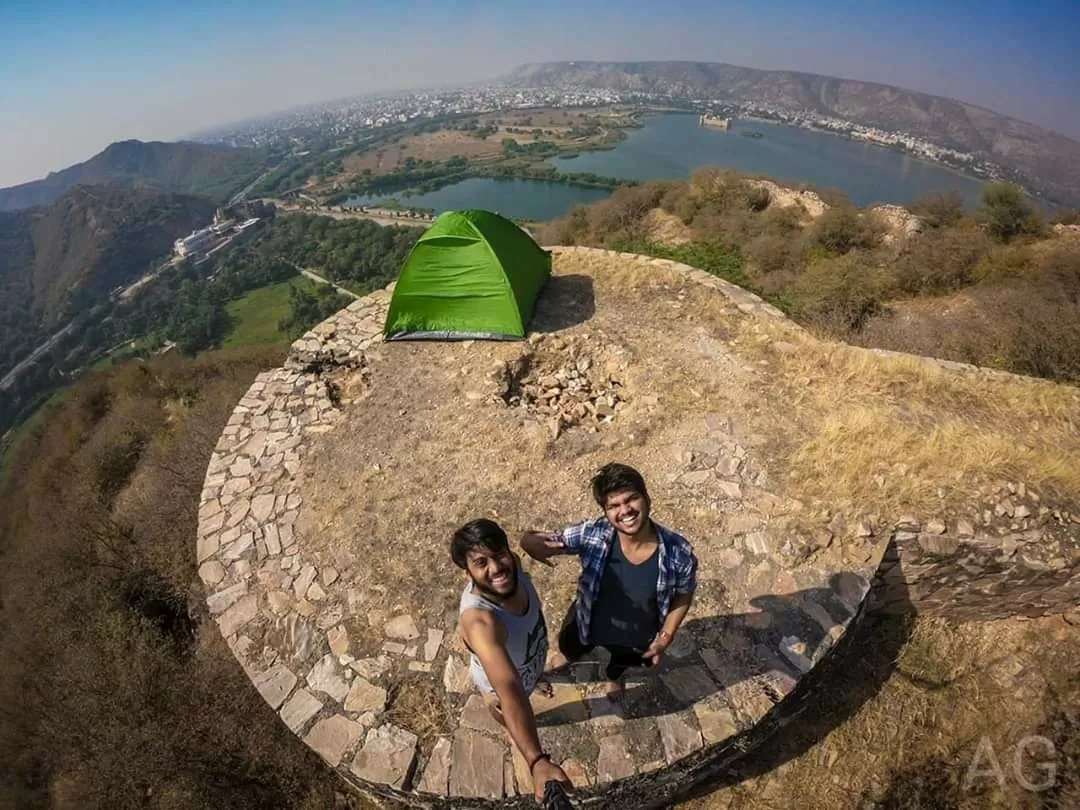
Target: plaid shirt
x,y
592,540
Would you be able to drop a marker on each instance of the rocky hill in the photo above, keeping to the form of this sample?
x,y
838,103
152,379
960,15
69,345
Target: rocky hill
x,y
195,168
1049,161
76,249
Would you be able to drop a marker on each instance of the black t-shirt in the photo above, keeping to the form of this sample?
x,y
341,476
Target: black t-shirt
x,y
625,612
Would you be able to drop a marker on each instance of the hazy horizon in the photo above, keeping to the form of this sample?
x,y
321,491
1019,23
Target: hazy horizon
x,y
76,77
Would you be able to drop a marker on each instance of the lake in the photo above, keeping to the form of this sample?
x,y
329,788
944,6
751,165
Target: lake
x,y
671,146
521,199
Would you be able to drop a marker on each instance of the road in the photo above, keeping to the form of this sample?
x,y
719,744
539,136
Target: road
x,y
325,212
316,277
240,195
9,378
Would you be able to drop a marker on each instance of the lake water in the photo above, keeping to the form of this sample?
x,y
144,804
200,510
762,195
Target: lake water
x,y
672,146
522,199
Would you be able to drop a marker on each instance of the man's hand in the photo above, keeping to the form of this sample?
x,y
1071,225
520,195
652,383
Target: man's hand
x,y
656,650
542,545
544,771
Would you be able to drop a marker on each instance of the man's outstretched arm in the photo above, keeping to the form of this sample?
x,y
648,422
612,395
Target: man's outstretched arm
x,y
541,546
482,635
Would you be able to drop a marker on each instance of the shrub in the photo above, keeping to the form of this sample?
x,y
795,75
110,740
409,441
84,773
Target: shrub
x,y
781,221
838,295
1040,332
757,198
941,260
620,216
1008,262
1007,213
771,253
841,229
939,209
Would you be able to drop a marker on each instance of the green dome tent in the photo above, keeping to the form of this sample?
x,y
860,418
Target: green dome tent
x,y
473,274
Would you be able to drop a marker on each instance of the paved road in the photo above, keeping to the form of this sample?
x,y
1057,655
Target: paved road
x,y
9,378
240,195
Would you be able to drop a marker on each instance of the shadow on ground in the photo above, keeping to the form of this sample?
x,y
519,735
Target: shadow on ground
x,y
850,676
744,650
565,301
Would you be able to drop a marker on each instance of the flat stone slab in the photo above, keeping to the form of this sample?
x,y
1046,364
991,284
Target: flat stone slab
x,y
436,778
327,567
476,766
387,757
331,737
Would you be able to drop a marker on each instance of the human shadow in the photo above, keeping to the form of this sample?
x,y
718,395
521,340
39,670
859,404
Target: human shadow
x,y
744,663
766,672
565,301
855,671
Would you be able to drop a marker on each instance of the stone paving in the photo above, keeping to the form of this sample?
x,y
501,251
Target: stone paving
x,y
304,630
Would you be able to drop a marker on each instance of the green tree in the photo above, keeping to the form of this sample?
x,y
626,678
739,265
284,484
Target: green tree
x,y
1007,213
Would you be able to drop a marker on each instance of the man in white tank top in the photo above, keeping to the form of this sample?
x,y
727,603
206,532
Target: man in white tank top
x,y
502,622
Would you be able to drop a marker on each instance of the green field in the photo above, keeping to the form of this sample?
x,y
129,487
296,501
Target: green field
x,y
256,314
23,431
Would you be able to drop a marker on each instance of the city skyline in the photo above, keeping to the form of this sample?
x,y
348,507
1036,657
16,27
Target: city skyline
x,y
76,77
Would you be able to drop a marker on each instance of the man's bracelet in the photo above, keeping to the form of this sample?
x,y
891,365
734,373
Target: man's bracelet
x,y
537,758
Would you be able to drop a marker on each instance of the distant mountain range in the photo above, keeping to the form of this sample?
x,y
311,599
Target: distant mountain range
x,y
208,170
1048,162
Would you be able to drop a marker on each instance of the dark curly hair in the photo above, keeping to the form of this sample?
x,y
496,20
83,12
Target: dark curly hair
x,y
481,533
615,477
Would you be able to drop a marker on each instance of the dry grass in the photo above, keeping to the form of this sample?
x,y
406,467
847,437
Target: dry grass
x,y
437,146
415,704
910,746
665,229
931,433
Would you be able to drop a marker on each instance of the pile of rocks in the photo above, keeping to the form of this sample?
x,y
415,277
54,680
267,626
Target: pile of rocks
x,y
562,381
899,222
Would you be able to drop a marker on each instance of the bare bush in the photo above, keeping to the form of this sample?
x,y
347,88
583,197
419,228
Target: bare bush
x,y
841,229
113,694
941,260
839,295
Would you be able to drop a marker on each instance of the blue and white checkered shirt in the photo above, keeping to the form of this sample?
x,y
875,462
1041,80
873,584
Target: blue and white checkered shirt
x,y
592,540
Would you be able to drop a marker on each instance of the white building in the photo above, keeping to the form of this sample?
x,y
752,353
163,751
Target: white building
x,y
194,242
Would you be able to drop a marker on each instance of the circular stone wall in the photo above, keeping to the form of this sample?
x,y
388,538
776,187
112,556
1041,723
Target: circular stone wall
x,y
332,494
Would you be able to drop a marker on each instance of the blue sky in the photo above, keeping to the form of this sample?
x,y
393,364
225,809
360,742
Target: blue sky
x,y
75,76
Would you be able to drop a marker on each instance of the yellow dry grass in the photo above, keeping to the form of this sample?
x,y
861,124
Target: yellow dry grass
x,y
666,229
875,431
910,746
901,433
417,706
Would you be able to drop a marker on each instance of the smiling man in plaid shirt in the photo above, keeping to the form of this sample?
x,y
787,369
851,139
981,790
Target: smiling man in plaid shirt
x,y
637,577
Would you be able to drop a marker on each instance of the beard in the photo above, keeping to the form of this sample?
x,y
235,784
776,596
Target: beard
x,y
497,596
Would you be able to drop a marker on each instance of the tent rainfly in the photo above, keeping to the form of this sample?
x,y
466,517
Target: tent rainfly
x,y
473,274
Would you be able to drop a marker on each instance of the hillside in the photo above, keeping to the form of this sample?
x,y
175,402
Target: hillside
x,y
1049,162
194,168
60,257
877,277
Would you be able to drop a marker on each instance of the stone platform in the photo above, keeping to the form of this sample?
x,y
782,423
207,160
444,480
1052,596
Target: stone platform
x,y
331,496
